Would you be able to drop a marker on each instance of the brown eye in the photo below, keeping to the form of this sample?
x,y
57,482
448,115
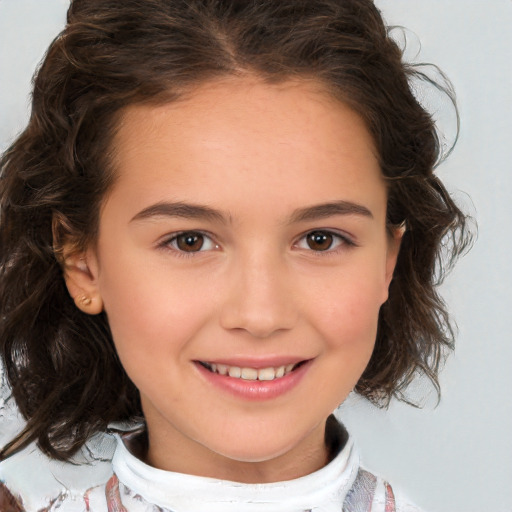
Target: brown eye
x,y
319,240
189,242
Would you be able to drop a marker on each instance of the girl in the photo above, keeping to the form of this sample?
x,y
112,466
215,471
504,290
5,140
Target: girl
x,y
221,218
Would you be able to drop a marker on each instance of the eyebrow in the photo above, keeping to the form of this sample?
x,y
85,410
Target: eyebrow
x,y
201,212
322,211
181,210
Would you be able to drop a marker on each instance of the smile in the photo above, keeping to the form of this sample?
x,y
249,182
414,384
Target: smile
x,y
261,374
248,379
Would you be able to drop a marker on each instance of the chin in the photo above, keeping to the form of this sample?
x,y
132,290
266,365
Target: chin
x,y
264,445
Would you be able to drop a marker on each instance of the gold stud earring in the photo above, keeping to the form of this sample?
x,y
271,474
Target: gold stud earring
x,y
84,300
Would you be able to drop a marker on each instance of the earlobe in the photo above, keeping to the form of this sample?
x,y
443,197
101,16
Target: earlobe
x,y
80,274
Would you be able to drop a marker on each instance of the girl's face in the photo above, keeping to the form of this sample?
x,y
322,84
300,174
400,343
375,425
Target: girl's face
x,y
245,234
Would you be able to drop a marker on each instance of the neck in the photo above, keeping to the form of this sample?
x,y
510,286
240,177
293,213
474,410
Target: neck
x,y
316,451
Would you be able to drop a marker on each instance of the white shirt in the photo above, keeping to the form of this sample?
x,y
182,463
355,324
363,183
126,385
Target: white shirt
x,y
126,484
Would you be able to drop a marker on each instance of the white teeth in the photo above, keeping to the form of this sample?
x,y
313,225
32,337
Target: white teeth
x,y
249,374
266,374
263,374
222,369
234,371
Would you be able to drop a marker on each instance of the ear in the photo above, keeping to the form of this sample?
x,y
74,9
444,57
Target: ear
x,y
80,273
394,241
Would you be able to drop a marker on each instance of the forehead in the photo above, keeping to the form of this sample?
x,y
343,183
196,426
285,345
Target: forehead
x,y
291,107
291,140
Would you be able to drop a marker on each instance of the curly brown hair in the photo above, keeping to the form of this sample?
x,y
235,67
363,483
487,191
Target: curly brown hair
x,y
61,363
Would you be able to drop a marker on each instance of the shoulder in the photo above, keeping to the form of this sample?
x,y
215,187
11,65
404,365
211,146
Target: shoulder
x,y
362,490
30,481
370,492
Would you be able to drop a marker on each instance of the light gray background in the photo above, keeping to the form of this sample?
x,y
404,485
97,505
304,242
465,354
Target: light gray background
x,y
456,457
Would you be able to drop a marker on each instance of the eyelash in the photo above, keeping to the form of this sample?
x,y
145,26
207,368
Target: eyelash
x,y
166,244
342,242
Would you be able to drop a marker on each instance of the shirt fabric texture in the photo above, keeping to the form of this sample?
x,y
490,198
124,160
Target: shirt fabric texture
x,y
115,480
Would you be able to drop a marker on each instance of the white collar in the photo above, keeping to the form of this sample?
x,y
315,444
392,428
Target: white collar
x,y
324,489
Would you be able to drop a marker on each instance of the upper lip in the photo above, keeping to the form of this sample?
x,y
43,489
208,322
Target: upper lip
x,y
257,363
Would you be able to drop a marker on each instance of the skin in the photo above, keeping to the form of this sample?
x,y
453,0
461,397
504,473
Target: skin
x,y
256,154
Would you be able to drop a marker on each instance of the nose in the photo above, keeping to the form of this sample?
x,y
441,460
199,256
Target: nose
x,y
260,299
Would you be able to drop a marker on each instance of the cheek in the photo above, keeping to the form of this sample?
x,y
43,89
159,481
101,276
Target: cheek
x,y
346,310
153,314
350,328
346,319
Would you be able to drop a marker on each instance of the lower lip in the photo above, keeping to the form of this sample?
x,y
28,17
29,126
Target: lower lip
x,y
256,389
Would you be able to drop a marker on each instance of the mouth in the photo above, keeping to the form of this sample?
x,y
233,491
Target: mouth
x,y
246,373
